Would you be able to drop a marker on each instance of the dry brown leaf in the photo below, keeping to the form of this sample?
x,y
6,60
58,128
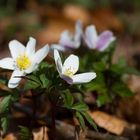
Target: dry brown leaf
x,y
51,33
129,109
107,19
108,122
10,137
134,83
74,13
40,134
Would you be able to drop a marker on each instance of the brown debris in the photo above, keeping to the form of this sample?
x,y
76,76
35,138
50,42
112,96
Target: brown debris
x,y
108,122
40,134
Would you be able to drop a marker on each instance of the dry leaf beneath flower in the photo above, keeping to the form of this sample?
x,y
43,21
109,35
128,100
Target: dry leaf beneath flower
x,y
108,122
40,134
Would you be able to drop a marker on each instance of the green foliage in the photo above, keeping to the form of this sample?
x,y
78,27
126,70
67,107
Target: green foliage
x,y
109,81
80,109
122,90
40,78
8,98
68,98
5,123
5,103
121,68
25,133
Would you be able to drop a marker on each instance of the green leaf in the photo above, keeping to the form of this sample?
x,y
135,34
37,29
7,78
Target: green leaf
x,y
103,98
31,85
122,68
5,123
99,66
80,119
80,107
43,65
131,70
68,98
44,80
25,133
5,103
122,90
89,119
98,84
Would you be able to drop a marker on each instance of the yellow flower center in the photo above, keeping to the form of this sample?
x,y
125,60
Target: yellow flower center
x,y
23,62
69,72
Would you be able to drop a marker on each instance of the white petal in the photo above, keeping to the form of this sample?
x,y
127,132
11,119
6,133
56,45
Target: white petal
x,y
30,49
83,78
32,68
40,55
16,48
78,34
14,80
67,41
57,47
91,36
65,38
72,62
7,63
69,80
58,61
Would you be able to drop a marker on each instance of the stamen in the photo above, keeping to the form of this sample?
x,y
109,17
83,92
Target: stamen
x,y
23,62
69,72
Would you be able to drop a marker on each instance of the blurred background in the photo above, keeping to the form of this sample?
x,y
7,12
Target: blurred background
x,y
46,19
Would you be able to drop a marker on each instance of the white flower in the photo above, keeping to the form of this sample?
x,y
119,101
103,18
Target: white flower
x,y
99,42
70,41
24,60
69,68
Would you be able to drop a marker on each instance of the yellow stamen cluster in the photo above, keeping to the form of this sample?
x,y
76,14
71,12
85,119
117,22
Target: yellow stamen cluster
x,y
23,62
69,72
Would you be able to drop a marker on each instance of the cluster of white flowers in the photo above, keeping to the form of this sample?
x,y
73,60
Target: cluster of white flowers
x,y
91,39
25,60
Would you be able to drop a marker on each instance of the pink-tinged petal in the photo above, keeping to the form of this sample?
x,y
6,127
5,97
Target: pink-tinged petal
x,y
67,79
72,63
83,78
7,63
40,55
30,48
15,78
58,61
104,40
91,37
16,48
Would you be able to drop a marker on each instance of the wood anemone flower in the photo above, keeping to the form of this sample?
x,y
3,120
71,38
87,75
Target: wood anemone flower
x,y
70,41
24,60
69,68
99,42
